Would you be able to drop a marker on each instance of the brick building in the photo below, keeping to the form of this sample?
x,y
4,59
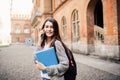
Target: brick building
x,y
86,26
20,28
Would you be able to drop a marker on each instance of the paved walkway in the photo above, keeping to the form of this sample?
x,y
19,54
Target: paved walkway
x,y
110,67
17,63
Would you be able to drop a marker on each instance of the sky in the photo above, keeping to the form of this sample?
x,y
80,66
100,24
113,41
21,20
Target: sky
x,y
4,20
19,7
22,6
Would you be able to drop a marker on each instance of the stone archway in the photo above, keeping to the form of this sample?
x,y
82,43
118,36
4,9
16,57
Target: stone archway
x,y
91,22
118,19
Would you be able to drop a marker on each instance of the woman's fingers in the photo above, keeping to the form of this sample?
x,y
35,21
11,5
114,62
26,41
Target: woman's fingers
x,y
40,66
36,61
42,32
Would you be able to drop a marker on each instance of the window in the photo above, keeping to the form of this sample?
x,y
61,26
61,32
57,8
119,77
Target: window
x,y
26,30
57,2
64,28
75,25
17,29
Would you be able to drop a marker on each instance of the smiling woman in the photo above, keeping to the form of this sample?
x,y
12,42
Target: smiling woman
x,y
49,36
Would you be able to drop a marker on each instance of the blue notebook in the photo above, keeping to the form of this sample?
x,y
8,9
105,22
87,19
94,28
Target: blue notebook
x,y
47,57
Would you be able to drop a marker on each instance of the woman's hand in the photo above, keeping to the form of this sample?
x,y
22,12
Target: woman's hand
x,y
41,35
40,66
41,32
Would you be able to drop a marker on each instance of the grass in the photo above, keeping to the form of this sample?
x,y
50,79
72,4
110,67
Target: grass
x,y
2,46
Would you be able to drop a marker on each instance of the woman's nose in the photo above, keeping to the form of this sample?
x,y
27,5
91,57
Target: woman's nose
x,y
49,28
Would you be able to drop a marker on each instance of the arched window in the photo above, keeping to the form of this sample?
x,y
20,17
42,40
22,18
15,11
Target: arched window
x,y
17,29
56,3
64,28
75,25
26,29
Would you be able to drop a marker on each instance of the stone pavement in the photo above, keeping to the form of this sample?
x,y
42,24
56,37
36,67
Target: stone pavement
x,y
100,69
17,63
110,67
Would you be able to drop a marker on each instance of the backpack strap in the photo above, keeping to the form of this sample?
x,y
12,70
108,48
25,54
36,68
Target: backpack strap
x,y
68,53
66,50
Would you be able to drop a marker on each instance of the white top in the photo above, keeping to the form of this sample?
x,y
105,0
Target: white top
x,y
45,75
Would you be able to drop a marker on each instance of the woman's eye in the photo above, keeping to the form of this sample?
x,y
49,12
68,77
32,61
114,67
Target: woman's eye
x,y
51,26
46,26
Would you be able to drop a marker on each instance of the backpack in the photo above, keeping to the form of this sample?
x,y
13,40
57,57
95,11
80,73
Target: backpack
x,y
71,73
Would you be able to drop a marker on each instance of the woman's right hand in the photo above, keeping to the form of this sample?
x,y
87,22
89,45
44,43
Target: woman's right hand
x,y
41,32
41,35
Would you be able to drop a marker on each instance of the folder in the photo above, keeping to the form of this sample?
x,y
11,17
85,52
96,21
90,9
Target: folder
x,y
47,57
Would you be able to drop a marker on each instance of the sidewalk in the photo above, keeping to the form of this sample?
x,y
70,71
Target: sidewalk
x,y
97,63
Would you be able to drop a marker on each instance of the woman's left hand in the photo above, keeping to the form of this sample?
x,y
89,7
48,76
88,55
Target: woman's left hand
x,y
40,66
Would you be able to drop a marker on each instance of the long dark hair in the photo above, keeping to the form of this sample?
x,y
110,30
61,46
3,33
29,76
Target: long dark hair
x,y
56,34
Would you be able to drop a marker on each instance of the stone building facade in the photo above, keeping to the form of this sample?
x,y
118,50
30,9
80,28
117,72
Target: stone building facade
x,y
86,26
20,28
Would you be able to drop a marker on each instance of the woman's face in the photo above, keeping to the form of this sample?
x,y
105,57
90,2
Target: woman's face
x,y
48,28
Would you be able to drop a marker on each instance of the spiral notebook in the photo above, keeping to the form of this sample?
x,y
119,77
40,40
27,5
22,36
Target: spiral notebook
x,y
47,57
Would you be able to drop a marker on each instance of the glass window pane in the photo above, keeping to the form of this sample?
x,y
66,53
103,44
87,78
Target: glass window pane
x,y
17,30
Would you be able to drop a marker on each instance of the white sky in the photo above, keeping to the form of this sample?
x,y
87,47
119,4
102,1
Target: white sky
x,y
4,18
22,6
18,6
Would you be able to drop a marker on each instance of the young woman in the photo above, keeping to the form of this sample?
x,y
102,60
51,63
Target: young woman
x,y
50,35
